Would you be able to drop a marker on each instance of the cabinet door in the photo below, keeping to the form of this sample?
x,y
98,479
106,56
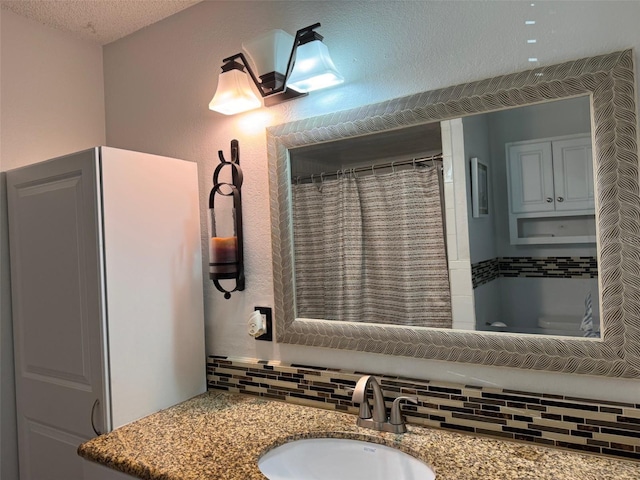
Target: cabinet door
x,y
573,174
56,285
530,171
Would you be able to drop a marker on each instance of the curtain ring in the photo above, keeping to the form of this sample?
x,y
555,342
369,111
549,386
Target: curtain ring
x,y
354,173
373,170
393,167
321,178
298,180
414,163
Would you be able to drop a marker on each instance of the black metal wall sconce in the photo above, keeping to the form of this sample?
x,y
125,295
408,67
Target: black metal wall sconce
x,y
225,244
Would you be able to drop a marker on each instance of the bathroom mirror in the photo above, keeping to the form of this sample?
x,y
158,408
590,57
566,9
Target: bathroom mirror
x,y
609,82
367,245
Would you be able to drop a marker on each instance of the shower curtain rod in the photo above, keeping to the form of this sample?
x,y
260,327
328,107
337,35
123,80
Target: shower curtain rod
x,y
410,161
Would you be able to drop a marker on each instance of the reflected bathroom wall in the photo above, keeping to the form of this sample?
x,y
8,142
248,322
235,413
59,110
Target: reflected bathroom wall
x,y
533,275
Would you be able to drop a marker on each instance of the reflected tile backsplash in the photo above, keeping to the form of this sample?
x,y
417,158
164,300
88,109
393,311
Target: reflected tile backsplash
x,y
533,267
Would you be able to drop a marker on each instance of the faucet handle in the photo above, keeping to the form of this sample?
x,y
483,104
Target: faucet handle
x,y
396,414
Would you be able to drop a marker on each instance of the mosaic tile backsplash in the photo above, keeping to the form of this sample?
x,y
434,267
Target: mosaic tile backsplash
x,y
534,267
600,427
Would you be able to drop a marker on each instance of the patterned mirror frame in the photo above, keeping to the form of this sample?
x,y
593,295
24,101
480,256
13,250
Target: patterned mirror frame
x,y
610,81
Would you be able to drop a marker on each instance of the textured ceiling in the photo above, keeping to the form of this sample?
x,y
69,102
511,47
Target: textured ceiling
x,y
100,21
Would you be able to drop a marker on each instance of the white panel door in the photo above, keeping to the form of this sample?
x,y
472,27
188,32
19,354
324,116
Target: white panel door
x,y
54,232
573,174
530,173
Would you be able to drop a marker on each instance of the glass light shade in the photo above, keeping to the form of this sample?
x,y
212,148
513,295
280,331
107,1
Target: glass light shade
x,y
270,52
234,94
313,69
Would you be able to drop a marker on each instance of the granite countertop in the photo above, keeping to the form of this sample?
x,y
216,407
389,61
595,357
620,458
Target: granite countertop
x,y
221,436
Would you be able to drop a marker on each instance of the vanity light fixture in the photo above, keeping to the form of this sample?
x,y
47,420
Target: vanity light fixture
x,y
225,243
307,67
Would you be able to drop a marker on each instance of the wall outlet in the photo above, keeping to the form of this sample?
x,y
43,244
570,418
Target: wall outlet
x,y
268,321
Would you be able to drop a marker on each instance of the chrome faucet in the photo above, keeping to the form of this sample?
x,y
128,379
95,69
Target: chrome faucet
x,y
378,419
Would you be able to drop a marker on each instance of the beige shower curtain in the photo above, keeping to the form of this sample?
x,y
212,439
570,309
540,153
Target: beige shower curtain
x,y
371,249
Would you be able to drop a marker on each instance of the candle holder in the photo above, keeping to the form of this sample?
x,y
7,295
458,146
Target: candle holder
x,y
225,244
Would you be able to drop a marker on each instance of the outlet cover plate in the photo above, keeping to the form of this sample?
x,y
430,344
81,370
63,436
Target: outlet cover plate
x,y
266,311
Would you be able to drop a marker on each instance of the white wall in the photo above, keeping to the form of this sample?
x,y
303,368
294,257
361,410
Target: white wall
x,y
51,92
482,242
159,81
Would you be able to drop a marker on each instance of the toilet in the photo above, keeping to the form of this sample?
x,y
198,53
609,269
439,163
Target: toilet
x,y
559,325
565,325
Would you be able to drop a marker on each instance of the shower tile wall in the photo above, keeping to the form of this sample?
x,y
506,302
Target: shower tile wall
x,y
534,267
586,425
485,272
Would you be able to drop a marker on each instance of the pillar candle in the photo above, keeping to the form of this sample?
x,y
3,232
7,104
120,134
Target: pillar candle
x,y
223,250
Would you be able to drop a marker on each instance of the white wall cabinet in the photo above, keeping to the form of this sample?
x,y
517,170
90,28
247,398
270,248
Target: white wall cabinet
x,y
551,190
106,282
551,175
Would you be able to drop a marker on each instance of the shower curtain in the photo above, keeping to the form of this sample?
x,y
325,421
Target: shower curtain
x,y
372,249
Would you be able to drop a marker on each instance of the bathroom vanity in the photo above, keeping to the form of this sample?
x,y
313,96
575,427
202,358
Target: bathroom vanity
x,y
221,436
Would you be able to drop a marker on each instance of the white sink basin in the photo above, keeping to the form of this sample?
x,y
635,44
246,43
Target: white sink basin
x,y
341,459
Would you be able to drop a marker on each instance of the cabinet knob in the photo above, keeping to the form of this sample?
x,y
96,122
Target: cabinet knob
x,y
549,199
560,199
